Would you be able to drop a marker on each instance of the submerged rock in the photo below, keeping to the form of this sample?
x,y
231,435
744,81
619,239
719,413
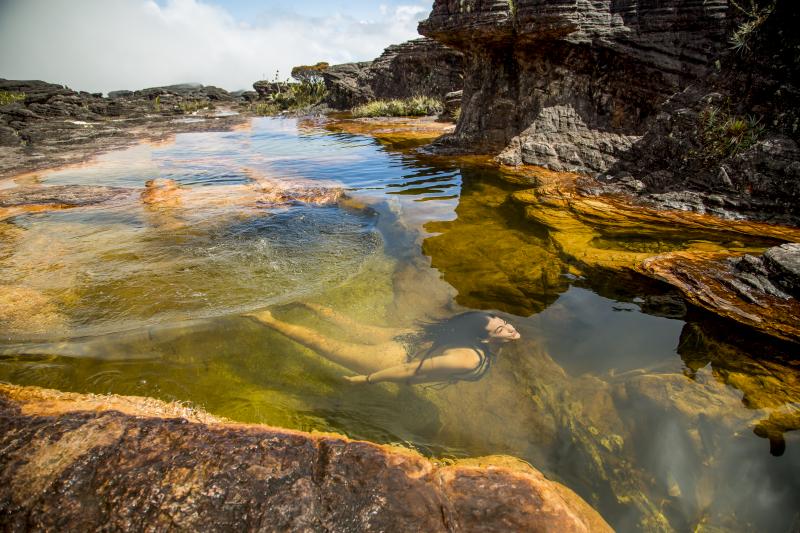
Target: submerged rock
x,y
26,311
60,195
72,461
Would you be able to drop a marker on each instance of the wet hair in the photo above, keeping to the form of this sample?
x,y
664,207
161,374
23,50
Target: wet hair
x,y
465,330
462,330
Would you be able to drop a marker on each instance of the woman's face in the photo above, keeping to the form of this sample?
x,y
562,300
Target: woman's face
x,y
501,330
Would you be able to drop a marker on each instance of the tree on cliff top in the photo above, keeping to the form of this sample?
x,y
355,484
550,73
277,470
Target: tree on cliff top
x,y
309,73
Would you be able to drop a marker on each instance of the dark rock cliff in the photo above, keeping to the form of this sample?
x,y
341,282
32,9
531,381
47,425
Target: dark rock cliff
x,y
650,95
419,67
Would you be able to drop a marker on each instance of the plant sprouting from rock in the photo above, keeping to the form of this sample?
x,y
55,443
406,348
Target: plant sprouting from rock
x,y
416,106
755,16
726,135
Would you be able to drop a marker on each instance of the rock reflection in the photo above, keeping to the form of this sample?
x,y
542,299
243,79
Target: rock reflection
x,y
493,262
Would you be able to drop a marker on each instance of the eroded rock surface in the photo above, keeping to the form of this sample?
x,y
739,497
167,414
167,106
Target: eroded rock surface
x,y
417,67
49,124
651,95
82,462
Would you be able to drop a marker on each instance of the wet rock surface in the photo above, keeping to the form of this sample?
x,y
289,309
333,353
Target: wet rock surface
x,y
707,259
108,462
51,125
417,67
652,96
739,288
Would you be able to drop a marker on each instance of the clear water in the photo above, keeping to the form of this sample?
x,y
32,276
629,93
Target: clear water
x,y
660,423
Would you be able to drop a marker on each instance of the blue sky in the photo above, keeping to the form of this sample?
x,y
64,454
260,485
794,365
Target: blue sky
x,y
106,45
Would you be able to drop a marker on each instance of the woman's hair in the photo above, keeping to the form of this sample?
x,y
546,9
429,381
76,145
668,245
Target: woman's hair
x,y
465,330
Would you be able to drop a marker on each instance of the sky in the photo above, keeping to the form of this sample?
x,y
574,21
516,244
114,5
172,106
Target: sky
x,y
106,45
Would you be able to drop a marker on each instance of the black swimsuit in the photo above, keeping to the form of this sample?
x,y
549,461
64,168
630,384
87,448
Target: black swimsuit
x,y
485,362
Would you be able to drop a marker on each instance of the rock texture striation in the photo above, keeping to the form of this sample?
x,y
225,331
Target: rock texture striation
x,y
74,462
648,94
45,124
417,67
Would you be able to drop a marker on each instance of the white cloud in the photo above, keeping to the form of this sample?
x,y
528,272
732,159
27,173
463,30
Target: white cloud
x,y
103,45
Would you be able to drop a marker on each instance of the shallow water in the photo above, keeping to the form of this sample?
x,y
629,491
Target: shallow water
x,y
660,418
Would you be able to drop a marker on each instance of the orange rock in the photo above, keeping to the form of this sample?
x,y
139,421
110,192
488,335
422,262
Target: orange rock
x,y
91,462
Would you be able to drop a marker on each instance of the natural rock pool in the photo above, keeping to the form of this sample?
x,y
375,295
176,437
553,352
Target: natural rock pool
x,y
662,417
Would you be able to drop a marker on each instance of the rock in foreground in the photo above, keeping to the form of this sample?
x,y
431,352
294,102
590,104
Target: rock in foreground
x,y
76,462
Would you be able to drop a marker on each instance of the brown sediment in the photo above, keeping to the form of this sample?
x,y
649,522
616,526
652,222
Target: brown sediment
x,y
89,462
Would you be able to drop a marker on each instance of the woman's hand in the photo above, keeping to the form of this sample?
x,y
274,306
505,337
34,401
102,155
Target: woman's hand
x,y
356,379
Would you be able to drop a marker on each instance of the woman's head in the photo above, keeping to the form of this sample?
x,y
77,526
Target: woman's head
x,y
469,328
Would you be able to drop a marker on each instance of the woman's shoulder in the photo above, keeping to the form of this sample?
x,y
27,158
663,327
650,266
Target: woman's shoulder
x,y
466,353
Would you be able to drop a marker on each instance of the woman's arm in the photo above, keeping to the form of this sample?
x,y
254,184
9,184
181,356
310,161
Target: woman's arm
x,y
439,368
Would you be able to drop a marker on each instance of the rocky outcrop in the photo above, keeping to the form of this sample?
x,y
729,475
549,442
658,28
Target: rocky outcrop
x,y
750,290
418,67
711,261
45,124
107,462
647,93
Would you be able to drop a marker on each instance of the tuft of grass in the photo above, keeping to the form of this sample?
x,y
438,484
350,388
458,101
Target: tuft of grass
x,y
264,109
9,97
191,106
725,135
416,106
157,104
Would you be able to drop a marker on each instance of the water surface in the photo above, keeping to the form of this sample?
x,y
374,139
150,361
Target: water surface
x,y
659,416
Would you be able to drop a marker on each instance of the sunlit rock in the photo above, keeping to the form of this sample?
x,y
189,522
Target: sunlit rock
x,y
69,461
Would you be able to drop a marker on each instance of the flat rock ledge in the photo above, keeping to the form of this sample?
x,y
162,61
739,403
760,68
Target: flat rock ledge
x,y
72,462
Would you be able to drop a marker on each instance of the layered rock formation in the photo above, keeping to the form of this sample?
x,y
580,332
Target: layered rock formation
x,y
45,124
647,93
85,462
418,67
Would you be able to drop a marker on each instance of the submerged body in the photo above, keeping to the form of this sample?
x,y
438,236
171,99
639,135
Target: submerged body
x,y
458,349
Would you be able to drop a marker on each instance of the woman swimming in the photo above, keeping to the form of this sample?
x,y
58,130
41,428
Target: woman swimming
x,y
461,348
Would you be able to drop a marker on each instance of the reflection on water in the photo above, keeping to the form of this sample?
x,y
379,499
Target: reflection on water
x,y
660,416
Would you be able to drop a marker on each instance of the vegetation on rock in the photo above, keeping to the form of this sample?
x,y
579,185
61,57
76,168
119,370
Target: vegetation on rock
x,y
416,106
9,97
724,134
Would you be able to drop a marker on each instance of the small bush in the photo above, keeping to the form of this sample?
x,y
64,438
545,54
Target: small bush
x,y
264,109
294,97
8,97
417,106
725,135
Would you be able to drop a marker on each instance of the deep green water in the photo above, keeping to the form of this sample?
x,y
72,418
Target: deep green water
x,y
652,419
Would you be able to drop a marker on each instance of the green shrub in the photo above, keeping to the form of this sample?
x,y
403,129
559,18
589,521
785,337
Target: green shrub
x,y
264,108
754,16
416,106
725,135
294,97
8,97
